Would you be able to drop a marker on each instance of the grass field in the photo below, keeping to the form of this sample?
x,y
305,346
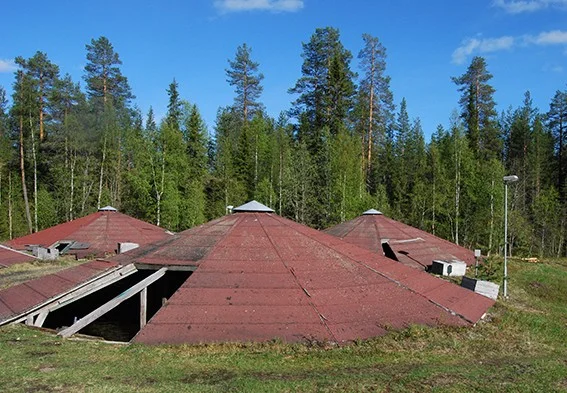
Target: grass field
x,y
520,347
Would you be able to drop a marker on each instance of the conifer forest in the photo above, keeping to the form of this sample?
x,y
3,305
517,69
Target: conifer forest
x,y
346,144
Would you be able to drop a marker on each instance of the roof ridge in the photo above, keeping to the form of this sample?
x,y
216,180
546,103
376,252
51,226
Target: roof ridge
x,y
303,289
400,283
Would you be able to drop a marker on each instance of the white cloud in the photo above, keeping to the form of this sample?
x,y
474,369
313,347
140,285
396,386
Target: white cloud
x,y
487,45
481,46
7,65
554,37
258,5
520,6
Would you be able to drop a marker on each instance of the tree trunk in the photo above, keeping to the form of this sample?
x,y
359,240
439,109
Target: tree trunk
x,y
101,173
34,158
457,189
23,176
72,186
10,219
87,185
280,182
433,203
491,233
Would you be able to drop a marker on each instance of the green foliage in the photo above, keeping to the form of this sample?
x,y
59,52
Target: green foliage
x,y
243,74
104,79
339,150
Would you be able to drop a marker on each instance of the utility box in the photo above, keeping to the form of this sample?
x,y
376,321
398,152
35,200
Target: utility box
x,y
449,268
484,288
45,254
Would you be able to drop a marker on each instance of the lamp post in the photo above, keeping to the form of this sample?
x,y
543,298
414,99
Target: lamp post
x,y
507,180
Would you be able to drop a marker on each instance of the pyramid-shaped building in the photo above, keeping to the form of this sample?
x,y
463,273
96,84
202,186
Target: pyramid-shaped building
x,y
256,276
259,276
94,235
406,244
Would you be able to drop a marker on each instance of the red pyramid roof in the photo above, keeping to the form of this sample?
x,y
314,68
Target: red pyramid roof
x,y
259,276
102,231
412,246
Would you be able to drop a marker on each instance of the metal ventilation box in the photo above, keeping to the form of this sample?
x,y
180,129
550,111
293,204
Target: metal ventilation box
x,y
449,268
485,288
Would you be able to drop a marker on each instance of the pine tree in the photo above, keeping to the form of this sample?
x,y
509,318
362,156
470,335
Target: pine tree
x,y
375,99
557,123
103,76
323,108
326,85
196,141
22,114
243,74
478,109
173,117
43,74
69,135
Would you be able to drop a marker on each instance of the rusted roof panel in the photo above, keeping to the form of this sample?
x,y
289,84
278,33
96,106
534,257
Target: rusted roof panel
x,y
413,247
239,332
267,277
20,298
102,231
9,257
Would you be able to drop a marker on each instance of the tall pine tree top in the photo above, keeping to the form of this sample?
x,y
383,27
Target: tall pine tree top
x,y
102,73
478,109
243,74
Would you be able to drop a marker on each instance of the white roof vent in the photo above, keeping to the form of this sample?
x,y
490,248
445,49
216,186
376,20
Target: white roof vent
x,y
107,209
371,212
253,206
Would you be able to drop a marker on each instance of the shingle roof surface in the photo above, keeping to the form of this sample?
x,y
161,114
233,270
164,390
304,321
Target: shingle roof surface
x,y
20,298
10,257
102,230
259,276
412,246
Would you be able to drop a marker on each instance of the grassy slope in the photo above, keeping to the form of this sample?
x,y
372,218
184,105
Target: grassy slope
x,y
522,347
21,272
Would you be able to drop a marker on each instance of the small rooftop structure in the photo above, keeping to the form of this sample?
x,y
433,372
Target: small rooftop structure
x,y
396,240
252,206
9,257
94,235
371,212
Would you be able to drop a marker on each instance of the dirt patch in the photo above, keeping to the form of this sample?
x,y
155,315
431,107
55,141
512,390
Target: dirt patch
x,y
40,353
46,369
212,377
39,388
537,285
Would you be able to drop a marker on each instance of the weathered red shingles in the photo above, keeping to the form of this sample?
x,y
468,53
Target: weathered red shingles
x,y
267,277
102,231
10,257
412,247
20,298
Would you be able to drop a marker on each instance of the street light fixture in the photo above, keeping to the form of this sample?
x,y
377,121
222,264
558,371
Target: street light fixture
x,y
507,180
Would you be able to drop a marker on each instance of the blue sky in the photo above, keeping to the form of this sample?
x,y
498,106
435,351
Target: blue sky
x,y
524,43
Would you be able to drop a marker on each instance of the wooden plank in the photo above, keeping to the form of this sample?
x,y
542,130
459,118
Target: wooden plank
x,y
143,307
79,292
94,315
41,318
